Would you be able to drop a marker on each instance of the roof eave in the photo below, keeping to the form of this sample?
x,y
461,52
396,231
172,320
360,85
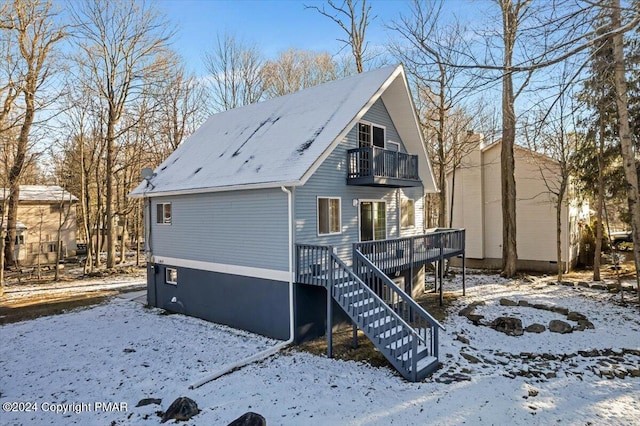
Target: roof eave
x,y
247,187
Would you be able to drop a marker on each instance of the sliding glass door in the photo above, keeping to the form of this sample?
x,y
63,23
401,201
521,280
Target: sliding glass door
x,y
373,220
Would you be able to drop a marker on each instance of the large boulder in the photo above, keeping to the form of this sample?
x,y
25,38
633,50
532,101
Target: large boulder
x,y
558,326
508,325
182,408
249,419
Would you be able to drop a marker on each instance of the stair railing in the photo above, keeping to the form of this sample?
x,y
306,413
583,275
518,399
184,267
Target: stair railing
x,y
402,304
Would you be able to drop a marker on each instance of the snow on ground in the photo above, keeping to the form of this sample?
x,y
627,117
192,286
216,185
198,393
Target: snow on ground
x,y
124,352
17,294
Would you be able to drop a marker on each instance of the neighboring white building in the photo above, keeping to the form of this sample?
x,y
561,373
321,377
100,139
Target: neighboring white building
x,y
477,207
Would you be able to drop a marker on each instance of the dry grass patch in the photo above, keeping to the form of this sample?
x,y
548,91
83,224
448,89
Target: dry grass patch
x,y
366,352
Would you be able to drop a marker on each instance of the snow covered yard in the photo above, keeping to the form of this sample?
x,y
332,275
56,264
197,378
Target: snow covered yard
x,y
121,352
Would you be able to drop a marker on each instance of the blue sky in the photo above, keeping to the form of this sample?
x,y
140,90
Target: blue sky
x,y
274,25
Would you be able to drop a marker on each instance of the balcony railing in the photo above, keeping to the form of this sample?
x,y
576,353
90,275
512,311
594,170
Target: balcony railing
x,y
373,166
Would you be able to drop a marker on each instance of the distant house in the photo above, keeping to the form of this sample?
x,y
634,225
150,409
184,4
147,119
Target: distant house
x,y
477,207
40,211
271,214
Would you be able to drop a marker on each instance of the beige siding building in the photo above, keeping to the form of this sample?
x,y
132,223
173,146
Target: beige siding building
x,y
42,210
477,207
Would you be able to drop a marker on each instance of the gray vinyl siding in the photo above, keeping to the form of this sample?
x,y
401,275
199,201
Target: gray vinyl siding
x,y
330,181
243,228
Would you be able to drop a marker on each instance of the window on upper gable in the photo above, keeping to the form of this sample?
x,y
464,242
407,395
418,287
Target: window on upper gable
x,y
163,213
370,134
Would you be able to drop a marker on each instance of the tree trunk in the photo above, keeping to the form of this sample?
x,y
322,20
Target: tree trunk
x,y
110,225
562,190
507,162
597,256
626,144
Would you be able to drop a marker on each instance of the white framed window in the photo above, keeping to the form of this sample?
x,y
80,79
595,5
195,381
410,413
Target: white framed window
x,y
171,276
407,213
329,216
163,213
370,134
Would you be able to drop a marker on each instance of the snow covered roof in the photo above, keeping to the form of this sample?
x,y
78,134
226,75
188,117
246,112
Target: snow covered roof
x,y
48,193
19,226
282,141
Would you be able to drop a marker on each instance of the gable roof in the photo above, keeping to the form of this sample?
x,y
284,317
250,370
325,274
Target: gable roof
x,y
282,141
41,193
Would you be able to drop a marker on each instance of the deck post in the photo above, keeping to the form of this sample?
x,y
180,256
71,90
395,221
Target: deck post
x,y
354,343
464,273
330,309
441,268
411,254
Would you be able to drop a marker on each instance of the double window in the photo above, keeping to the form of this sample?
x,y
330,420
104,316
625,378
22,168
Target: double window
x,y
328,216
369,134
163,213
407,213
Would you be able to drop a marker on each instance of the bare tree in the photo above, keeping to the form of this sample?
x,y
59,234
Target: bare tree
x,y
234,67
353,22
626,145
35,31
119,42
295,70
426,48
173,110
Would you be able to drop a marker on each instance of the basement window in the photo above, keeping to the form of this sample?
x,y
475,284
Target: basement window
x,y
171,276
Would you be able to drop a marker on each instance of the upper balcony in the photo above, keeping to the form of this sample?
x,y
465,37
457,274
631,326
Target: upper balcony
x,y
373,166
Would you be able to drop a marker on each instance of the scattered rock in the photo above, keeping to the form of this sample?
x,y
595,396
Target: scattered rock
x,y
634,372
558,326
599,287
584,324
148,401
249,419
475,319
583,284
590,354
523,303
533,392
508,325
542,307
182,408
560,310
128,350
535,328
472,359
447,378
507,302
462,339
575,316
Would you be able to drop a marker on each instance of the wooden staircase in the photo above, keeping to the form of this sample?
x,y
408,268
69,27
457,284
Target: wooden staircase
x,y
399,328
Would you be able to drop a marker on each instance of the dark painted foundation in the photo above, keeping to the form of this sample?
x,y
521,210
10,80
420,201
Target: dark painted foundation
x,y
257,305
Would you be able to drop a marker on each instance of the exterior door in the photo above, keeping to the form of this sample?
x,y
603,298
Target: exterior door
x,y
373,220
